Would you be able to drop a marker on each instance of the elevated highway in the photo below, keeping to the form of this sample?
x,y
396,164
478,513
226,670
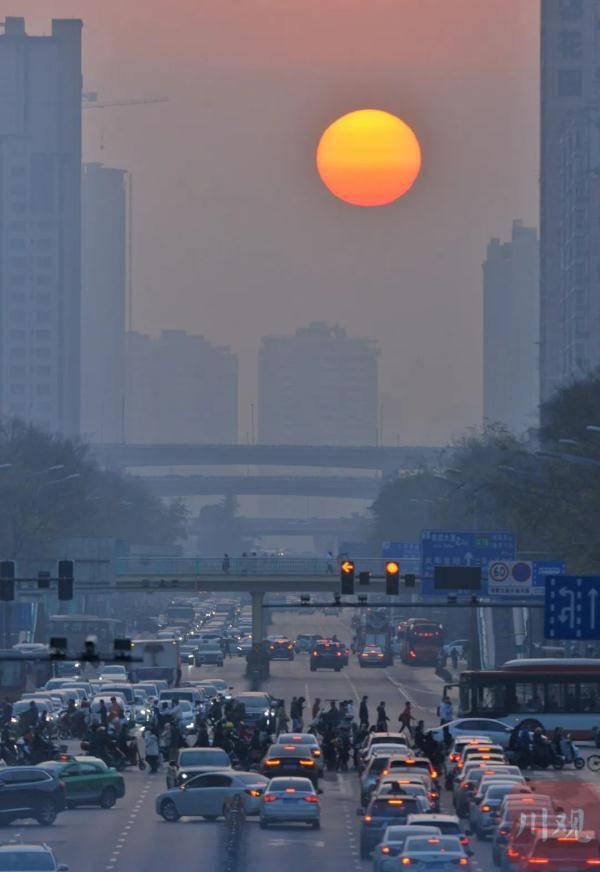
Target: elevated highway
x,y
385,459
365,488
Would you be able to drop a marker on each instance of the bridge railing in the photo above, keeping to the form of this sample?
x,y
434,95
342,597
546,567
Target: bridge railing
x,y
174,567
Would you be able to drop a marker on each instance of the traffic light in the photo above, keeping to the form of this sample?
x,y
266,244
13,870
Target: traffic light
x,y
392,578
7,580
65,579
43,580
347,577
364,578
410,579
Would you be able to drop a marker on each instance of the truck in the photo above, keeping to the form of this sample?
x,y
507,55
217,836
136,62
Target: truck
x,y
159,660
375,628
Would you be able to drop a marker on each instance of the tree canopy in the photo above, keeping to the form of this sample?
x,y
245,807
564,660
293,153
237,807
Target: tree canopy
x,y
51,488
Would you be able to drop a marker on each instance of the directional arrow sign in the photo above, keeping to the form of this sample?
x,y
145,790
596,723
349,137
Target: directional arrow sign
x,y
572,609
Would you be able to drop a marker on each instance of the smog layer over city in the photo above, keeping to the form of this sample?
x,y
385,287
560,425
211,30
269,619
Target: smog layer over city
x,y
299,435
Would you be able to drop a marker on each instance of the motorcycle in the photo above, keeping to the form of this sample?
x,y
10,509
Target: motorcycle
x,y
570,753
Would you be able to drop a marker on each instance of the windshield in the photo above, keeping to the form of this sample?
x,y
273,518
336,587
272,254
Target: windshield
x,y
208,756
26,861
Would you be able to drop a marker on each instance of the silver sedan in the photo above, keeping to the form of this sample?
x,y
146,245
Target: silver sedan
x,y
290,800
209,795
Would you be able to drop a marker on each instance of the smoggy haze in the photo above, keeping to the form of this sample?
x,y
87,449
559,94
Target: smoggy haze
x,y
236,237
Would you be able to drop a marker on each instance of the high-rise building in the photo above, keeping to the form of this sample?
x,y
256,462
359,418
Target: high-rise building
x,y
511,331
570,83
180,388
40,224
104,279
318,387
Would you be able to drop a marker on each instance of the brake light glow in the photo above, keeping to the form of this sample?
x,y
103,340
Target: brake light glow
x,y
367,818
538,861
395,802
462,861
406,861
289,747
512,853
485,808
290,790
384,849
412,654
316,752
253,792
307,762
310,798
273,762
268,797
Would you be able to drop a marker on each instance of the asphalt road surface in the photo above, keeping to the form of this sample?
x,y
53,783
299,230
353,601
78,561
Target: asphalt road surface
x,y
131,837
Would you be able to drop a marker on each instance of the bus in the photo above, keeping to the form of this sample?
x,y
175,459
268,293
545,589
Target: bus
x,y
420,641
76,629
544,692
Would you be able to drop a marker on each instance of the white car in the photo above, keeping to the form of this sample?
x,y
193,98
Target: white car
x,y
290,800
114,672
29,857
209,794
497,731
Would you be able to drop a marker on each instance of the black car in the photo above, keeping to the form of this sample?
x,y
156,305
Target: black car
x,y
29,792
292,760
280,649
327,654
383,812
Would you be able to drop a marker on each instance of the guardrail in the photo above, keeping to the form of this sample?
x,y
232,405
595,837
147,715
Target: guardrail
x,y
246,565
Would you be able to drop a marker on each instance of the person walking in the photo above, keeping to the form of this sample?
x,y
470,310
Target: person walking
x,y
363,712
404,718
382,718
152,752
316,709
454,658
445,712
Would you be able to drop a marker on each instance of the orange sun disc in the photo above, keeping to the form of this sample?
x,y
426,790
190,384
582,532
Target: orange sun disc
x,y
369,158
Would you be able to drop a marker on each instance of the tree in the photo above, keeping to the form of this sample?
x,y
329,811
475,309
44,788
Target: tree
x,y
51,488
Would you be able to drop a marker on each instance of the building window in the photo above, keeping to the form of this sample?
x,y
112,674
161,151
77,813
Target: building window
x,y
570,83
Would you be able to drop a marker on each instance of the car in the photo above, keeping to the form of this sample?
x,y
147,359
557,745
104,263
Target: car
x,y
222,687
392,843
420,780
400,787
211,655
380,765
150,688
280,649
113,672
382,739
327,654
305,642
87,780
193,695
553,852
467,786
195,761
497,731
291,760
372,655
510,813
485,805
442,853
290,800
258,706
21,707
29,792
382,813
448,824
304,739
187,653
27,858
454,755
208,795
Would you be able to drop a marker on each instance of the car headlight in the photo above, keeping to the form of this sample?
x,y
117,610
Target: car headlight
x,y
183,776
14,720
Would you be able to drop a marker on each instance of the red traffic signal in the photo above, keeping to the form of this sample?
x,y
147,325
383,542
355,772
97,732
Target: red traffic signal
x,y
392,578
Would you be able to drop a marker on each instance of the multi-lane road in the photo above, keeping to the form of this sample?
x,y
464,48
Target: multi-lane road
x,y
132,837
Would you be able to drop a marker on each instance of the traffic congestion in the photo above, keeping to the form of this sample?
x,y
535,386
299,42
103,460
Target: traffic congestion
x,y
377,768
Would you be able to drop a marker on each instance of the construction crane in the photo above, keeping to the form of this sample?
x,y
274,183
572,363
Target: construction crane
x,y
89,100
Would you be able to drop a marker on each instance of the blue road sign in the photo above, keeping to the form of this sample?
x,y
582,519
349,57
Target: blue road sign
x,y
543,568
454,548
400,551
572,609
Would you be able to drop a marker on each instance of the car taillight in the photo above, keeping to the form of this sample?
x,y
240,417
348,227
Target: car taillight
x,y
454,756
485,808
252,792
512,853
384,849
289,647
433,773
310,798
307,762
314,653
385,772
367,818
272,762
338,654
406,861
462,861
538,861
413,655
464,840
316,752
268,797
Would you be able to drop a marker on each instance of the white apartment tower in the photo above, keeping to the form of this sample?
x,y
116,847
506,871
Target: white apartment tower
x,y
40,224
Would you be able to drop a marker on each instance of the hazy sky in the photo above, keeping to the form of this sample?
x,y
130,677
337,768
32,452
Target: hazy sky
x,y
236,237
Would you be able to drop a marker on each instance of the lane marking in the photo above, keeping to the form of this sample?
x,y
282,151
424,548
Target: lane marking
x,y
352,685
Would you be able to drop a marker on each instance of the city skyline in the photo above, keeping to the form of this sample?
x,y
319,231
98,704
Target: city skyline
x,y
259,248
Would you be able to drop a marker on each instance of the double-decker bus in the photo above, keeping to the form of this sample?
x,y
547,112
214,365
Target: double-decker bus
x,y
420,641
548,692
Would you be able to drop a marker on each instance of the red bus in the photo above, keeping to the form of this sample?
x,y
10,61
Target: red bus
x,y
420,641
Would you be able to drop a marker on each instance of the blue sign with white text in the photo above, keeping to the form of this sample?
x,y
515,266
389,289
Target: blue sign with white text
x,y
457,548
400,551
572,607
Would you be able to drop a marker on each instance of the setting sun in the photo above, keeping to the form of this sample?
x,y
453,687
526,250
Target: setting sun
x,y
369,158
